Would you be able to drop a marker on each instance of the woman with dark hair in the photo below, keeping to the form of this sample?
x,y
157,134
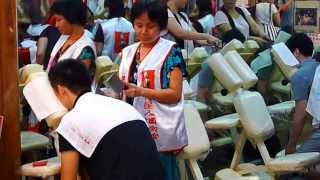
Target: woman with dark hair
x,y
71,17
152,71
118,32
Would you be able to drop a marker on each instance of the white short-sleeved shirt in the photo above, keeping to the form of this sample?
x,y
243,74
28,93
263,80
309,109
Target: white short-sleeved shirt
x,y
263,15
207,23
240,23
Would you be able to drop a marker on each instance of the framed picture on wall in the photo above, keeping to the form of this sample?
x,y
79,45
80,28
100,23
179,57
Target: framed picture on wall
x,y
306,16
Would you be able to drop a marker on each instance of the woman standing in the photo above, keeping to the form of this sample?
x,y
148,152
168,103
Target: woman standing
x,y
152,71
73,43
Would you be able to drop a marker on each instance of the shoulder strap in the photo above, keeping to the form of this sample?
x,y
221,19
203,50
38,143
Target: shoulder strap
x,y
270,20
180,42
223,9
239,10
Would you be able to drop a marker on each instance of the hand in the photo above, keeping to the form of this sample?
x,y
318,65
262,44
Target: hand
x,y
290,148
131,90
213,40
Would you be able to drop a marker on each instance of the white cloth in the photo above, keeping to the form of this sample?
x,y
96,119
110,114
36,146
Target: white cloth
x,y
207,23
165,121
240,23
73,51
263,15
110,28
92,117
313,105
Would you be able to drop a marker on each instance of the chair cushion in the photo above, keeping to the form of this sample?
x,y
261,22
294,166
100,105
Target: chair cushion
x,y
201,107
223,100
293,162
284,107
198,141
279,87
52,168
227,174
224,122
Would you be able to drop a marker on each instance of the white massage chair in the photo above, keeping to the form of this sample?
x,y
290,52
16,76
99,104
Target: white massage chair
x,y
220,96
256,125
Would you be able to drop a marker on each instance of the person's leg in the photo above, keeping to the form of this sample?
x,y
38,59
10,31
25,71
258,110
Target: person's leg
x,y
205,83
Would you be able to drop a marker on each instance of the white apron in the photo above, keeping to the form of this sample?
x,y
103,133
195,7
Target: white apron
x,y
165,121
92,117
73,51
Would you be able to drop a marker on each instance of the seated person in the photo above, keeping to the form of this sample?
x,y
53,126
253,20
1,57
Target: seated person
x,y
205,23
96,135
232,20
302,48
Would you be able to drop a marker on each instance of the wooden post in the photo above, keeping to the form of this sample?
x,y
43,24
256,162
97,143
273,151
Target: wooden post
x,y
9,97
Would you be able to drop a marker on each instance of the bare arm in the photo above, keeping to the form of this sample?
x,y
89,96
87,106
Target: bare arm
x,y
276,19
174,28
299,117
69,165
255,28
285,7
172,95
41,49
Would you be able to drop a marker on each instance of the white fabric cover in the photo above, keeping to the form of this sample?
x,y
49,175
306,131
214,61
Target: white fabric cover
x,y
199,54
26,71
286,70
229,174
52,168
224,72
231,46
201,107
283,107
293,162
223,100
251,44
224,122
41,97
254,115
198,141
242,69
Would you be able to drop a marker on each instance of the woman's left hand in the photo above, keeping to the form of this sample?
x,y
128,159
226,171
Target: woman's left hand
x,y
131,90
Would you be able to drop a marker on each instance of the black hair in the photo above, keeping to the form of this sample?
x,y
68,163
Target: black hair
x,y
204,7
116,8
72,74
302,42
75,12
156,10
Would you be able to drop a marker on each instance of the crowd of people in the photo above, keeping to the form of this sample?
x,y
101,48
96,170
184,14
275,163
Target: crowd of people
x,y
146,39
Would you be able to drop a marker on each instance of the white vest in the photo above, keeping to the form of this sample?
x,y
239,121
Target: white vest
x,y
165,121
73,51
109,28
92,117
